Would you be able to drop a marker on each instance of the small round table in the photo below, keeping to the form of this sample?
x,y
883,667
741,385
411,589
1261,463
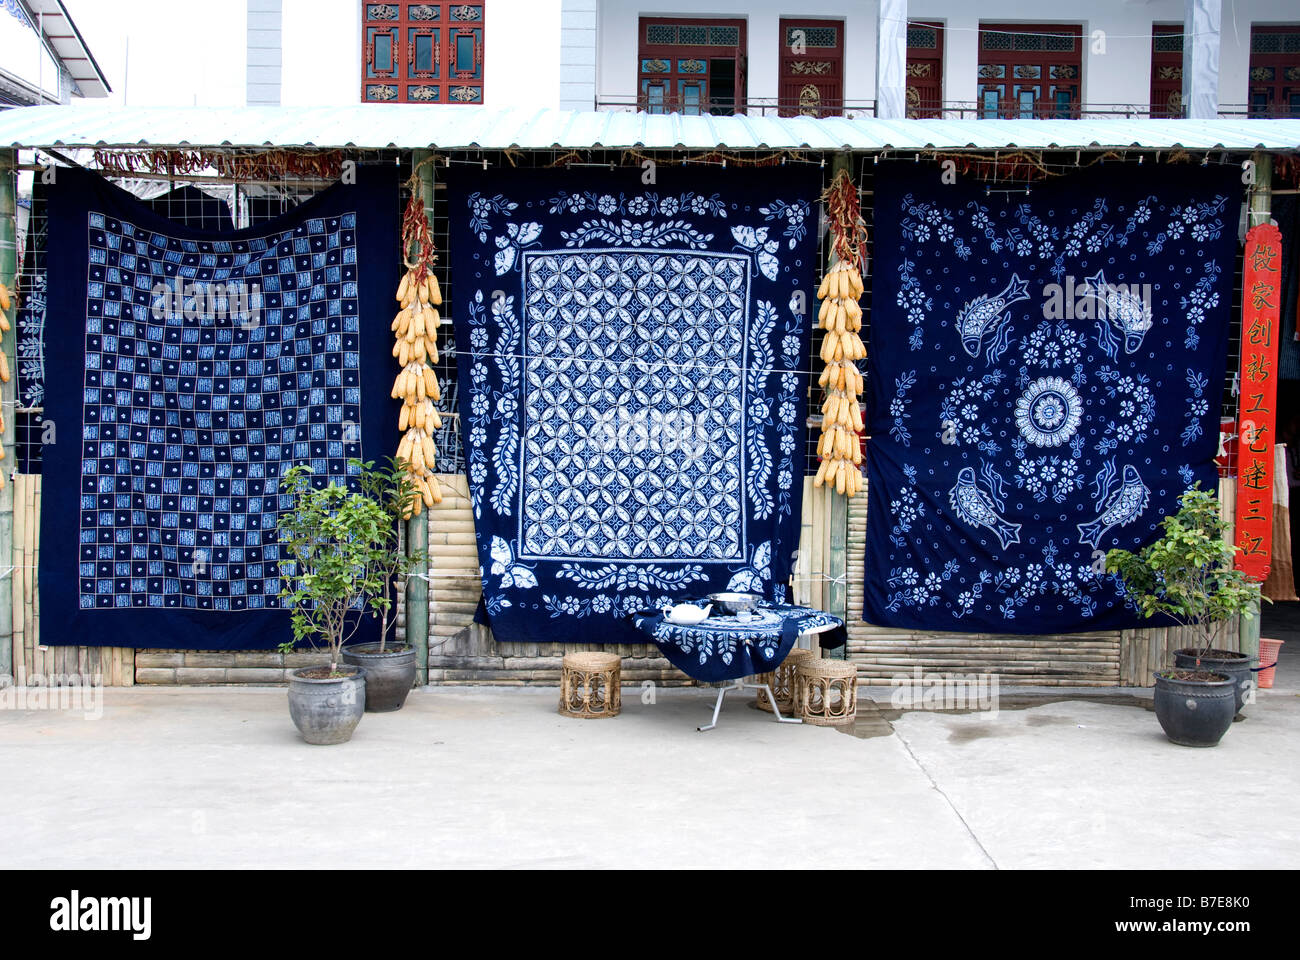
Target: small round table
x,y
728,648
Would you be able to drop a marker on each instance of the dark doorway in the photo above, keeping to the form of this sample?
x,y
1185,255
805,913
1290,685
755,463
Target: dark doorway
x,y
722,86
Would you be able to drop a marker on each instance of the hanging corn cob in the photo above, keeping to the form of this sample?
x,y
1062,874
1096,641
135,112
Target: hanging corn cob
x,y
5,303
416,328
840,316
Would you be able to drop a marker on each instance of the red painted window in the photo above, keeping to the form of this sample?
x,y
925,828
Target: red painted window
x,y
422,52
691,66
1275,71
1030,70
812,68
924,69
1167,70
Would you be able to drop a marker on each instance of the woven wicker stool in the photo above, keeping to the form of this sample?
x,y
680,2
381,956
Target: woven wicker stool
x,y
826,691
781,680
589,685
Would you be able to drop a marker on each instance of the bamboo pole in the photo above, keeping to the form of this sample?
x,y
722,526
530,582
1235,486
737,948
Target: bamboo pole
x,y
8,391
20,664
417,528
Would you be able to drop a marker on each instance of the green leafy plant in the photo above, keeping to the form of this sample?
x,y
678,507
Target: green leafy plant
x,y
392,488
342,553
1188,574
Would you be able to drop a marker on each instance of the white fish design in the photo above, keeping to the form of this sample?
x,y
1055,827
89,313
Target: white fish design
x,y
972,505
1126,311
985,314
1122,506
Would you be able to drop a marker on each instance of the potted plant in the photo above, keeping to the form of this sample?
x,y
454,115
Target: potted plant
x,y
390,666
1188,576
328,539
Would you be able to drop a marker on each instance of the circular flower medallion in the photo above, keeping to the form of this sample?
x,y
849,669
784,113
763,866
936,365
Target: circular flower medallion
x,y
1049,411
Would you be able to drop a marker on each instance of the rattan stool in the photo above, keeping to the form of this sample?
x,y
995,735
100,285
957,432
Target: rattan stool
x,y
781,680
826,691
589,685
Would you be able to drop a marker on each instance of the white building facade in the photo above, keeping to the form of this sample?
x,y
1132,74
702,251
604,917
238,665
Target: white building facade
x,y
875,57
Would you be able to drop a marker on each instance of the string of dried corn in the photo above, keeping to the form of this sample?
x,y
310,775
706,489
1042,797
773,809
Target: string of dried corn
x,y
840,316
416,328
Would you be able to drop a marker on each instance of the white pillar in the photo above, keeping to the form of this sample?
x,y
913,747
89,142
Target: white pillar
x,y
1201,19
891,59
265,56
578,25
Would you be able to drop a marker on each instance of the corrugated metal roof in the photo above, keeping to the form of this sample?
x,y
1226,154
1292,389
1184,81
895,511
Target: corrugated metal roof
x,y
416,126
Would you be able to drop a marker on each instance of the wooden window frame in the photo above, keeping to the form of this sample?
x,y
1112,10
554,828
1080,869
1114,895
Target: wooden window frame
x,y
672,80
1045,60
406,20
1166,74
819,69
930,59
1281,91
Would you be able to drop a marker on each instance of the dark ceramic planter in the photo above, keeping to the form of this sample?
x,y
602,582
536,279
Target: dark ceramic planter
x,y
327,711
1194,713
1236,668
389,675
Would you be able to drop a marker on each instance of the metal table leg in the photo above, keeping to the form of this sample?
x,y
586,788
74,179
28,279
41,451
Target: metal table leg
x,y
742,685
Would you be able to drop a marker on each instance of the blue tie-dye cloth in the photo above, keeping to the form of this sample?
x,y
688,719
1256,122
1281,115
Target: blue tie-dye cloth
x,y
727,647
1045,379
631,398
175,421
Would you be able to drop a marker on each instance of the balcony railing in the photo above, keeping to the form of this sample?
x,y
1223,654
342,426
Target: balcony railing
x,y
949,109
753,107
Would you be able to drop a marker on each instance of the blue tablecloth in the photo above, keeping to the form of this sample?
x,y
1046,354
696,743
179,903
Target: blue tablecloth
x,y
728,647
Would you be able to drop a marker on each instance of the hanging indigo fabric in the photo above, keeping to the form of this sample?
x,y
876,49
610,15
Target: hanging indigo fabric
x,y
186,372
186,205
632,401
1045,377
29,318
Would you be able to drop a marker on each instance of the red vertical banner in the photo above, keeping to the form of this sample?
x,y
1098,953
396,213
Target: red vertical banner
x,y
1257,416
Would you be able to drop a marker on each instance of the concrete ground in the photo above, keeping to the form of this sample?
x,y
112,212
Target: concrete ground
x,y
217,777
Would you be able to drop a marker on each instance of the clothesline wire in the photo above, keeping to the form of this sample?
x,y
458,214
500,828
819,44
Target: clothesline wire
x,y
981,165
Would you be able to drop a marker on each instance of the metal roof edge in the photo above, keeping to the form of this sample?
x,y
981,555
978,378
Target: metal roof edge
x,y
445,127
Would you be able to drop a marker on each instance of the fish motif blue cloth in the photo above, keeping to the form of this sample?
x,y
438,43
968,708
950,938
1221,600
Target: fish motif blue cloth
x,y
177,418
727,647
631,397
1045,373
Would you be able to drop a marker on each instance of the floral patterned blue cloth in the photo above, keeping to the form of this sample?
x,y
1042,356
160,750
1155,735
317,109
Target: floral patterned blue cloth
x,y
631,398
1045,375
726,647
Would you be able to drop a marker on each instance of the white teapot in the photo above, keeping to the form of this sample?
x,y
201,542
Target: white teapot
x,y
687,614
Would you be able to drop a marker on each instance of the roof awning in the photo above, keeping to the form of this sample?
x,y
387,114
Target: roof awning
x,y
420,126
68,45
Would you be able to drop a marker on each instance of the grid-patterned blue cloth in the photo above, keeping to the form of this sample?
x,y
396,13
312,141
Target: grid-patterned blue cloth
x,y
188,412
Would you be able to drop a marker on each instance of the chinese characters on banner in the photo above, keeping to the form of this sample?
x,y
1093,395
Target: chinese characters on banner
x,y
1256,421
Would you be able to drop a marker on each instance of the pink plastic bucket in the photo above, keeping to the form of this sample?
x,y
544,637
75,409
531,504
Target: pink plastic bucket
x,y
1268,651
